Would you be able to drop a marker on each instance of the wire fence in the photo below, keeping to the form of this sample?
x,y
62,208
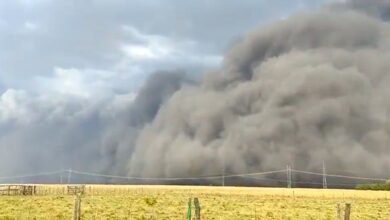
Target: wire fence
x,y
127,202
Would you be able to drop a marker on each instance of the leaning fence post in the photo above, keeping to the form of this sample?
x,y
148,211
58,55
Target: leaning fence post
x,y
197,209
347,212
189,209
77,207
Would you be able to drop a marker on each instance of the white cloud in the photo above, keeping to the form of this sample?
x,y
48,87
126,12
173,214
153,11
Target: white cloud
x,y
30,25
32,2
14,105
150,46
160,52
77,82
139,52
70,81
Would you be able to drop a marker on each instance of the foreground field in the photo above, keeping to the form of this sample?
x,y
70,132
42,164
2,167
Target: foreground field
x,y
170,202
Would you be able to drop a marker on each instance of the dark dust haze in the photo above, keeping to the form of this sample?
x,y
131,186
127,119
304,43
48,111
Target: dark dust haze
x,y
310,88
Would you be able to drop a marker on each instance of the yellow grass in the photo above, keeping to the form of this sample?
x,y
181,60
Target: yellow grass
x,y
133,202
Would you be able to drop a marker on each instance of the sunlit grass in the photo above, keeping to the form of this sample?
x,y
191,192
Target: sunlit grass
x,y
170,202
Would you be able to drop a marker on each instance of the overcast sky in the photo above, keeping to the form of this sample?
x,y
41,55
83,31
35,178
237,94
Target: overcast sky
x,y
79,48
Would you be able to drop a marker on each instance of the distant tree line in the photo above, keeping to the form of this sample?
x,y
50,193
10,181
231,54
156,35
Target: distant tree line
x,y
375,186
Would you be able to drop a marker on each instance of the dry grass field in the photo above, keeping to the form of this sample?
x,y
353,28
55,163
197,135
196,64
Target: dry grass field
x,y
170,202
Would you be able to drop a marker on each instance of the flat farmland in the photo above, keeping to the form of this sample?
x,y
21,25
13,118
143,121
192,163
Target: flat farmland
x,y
171,202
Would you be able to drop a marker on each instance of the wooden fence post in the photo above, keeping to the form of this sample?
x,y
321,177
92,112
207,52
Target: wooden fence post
x,y
189,209
338,217
77,207
347,212
197,209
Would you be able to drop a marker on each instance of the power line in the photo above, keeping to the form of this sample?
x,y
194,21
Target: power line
x,y
32,175
299,182
175,178
339,176
254,175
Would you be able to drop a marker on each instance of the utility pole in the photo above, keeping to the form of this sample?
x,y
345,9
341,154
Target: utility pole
x,y
61,174
223,177
324,182
223,165
289,176
69,175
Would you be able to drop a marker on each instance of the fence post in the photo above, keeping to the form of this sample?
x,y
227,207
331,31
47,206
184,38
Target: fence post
x,y
77,207
255,214
197,209
189,209
338,217
347,212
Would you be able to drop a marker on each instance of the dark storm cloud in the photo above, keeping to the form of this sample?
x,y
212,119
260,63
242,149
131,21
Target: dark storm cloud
x,y
378,8
310,88
65,132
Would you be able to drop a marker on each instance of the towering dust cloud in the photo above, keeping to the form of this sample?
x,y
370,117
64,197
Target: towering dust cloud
x,y
311,88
